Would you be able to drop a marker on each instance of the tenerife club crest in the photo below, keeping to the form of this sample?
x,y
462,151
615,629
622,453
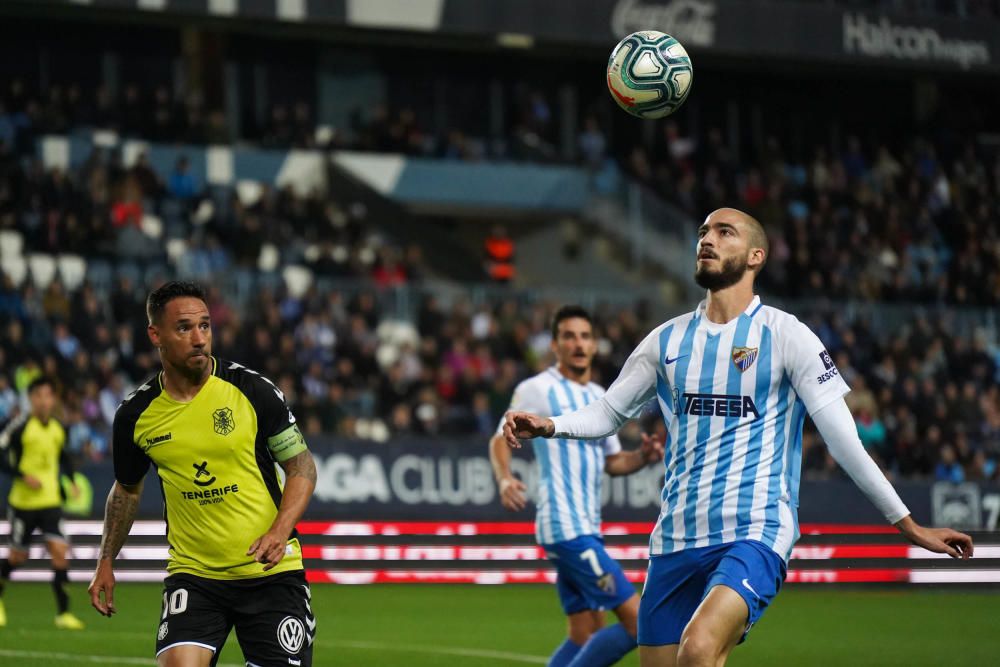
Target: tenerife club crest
x,y
224,422
743,357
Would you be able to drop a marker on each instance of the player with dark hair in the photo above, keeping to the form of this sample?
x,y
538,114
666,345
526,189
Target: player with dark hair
x,y
216,432
568,507
734,380
32,450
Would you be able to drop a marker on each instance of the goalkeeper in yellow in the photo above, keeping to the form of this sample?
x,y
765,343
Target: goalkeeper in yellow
x,y
215,431
32,451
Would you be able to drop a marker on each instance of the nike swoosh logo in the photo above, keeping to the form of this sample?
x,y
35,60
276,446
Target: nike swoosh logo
x,y
669,361
746,584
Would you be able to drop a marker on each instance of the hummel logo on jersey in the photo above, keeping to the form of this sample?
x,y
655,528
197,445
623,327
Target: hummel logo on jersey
x,y
719,405
158,440
202,470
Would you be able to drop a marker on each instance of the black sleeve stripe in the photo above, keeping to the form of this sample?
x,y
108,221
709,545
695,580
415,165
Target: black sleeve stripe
x,y
131,463
273,415
11,446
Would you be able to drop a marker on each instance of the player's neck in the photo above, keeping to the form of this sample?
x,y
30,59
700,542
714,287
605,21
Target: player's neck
x,y
727,304
182,387
578,376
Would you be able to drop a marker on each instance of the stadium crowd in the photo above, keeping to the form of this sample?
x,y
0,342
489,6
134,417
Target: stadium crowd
x,y
867,223
913,226
927,401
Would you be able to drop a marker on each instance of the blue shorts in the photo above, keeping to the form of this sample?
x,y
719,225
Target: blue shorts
x,y
587,577
676,584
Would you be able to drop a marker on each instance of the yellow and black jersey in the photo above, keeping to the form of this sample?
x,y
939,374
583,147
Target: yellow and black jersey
x,y
29,446
215,456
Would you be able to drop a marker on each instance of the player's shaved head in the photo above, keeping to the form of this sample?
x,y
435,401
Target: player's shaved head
x,y
756,235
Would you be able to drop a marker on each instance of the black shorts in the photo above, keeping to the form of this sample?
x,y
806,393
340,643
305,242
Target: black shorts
x,y
24,522
274,622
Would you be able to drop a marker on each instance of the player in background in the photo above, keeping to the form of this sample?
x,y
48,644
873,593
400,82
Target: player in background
x,y
215,430
568,514
734,380
32,450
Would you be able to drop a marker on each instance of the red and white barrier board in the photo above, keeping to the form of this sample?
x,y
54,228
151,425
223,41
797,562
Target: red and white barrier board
x,y
439,552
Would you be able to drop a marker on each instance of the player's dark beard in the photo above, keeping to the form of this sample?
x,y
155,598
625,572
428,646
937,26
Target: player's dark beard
x,y
731,272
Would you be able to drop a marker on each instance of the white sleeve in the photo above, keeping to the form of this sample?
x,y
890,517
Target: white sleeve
x,y
596,420
836,425
814,376
635,385
527,398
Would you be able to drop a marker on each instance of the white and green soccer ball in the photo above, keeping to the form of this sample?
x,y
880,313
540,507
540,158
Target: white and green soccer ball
x,y
649,74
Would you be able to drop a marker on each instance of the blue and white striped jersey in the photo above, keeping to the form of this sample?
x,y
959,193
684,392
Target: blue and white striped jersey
x,y
571,471
734,397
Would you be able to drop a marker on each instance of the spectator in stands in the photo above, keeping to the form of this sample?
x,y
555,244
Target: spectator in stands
x,y
948,468
180,183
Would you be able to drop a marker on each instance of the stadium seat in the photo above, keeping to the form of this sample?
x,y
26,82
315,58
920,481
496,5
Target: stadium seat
x,y
398,332
203,213
15,267
311,253
43,269
105,138
152,226
176,249
298,279
324,134
11,243
249,192
269,258
72,270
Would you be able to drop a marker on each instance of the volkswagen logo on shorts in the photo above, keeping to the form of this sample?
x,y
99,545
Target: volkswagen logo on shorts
x,y
291,634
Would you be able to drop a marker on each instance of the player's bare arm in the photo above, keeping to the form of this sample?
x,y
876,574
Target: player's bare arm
x,y
524,425
511,488
300,481
119,513
625,463
938,540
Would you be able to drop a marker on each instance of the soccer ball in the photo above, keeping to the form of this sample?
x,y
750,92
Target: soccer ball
x,y
649,74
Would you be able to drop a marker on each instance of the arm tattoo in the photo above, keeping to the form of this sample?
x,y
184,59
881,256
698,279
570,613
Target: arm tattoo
x,y
301,465
119,513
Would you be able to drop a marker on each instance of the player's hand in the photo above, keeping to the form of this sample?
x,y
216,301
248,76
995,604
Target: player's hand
x,y
524,425
651,448
103,583
512,494
938,540
32,481
74,490
269,548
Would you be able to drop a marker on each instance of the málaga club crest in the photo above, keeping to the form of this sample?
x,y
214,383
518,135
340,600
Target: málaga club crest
x,y
744,357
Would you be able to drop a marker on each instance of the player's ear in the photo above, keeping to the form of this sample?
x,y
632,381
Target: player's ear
x,y
756,259
154,335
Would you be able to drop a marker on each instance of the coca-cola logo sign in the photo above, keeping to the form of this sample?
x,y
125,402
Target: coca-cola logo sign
x,y
690,21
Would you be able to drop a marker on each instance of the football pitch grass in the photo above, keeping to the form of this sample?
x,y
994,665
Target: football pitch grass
x,y
449,625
